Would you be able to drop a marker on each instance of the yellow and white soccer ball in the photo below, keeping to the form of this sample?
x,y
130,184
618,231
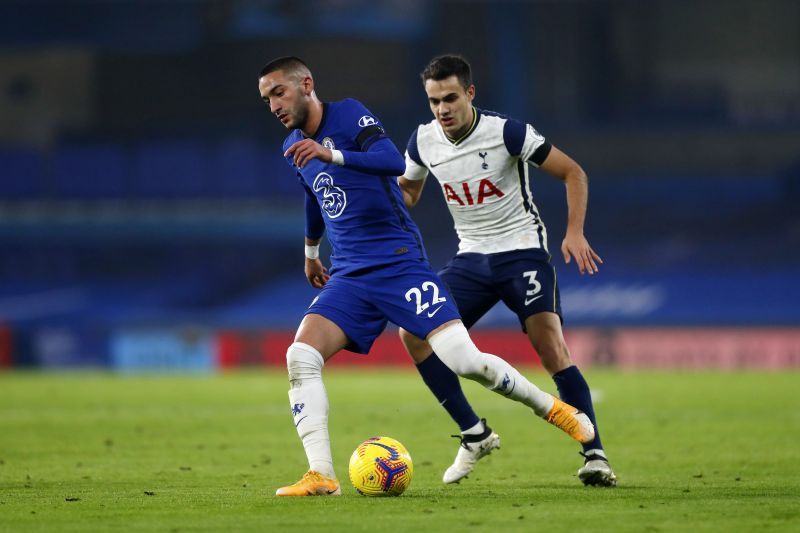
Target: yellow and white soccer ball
x,y
381,466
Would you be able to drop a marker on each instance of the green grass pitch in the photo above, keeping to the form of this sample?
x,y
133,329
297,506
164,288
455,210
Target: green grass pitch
x,y
96,452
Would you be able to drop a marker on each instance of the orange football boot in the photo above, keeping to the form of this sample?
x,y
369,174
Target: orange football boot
x,y
573,422
312,484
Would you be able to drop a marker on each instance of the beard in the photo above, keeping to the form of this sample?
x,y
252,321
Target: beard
x,y
300,118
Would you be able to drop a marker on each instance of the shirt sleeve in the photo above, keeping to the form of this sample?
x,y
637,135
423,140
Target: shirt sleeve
x,y
377,154
380,159
523,141
415,168
362,126
315,224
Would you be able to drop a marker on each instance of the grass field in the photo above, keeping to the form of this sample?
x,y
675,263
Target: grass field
x,y
693,451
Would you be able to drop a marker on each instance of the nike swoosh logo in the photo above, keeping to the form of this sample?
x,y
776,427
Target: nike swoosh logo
x,y
528,302
298,422
437,164
431,313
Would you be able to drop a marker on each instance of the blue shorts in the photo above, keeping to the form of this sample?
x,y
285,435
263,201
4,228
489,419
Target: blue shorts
x,y
524,280
408,294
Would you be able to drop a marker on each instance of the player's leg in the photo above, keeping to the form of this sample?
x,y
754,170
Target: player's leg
x,y
465,277
317,339
528,286
338,318
477,438
453,344
442,382
546,336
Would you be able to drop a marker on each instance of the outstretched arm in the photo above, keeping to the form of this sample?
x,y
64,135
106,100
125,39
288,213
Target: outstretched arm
x,y
563,167
381,157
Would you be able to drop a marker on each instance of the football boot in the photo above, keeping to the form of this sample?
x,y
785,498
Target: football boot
x,y
470,451
312,484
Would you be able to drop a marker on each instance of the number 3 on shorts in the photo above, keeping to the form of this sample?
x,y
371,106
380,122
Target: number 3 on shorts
x,y
536,287
414,292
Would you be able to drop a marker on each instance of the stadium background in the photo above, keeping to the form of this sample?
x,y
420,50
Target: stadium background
x,y
147,220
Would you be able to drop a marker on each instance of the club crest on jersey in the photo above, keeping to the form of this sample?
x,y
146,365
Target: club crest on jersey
x,y
366,120
483,155
334,200
327,142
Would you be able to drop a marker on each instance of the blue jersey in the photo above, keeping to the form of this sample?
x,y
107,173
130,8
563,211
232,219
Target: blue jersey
x,y
367,222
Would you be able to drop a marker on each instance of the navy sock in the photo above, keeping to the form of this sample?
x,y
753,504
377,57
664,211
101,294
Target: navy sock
x,y
444,384
574,390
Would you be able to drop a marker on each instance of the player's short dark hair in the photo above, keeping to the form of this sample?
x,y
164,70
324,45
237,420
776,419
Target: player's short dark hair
x,y
442,67
290,64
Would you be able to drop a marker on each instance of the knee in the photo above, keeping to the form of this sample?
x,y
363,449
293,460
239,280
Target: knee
x,y
303,362
417,348
455,348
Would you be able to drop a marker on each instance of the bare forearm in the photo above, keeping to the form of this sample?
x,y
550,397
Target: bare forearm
x,y
411,189
408,200
577,185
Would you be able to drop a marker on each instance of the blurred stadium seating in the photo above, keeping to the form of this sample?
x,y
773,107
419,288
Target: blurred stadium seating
x,y
159,204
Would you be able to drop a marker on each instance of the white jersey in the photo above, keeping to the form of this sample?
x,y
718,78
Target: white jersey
x,y
484,180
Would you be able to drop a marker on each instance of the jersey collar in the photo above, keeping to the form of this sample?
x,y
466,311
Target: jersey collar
x,y
475,118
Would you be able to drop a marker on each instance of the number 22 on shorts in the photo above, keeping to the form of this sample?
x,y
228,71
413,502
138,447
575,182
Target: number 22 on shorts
x,y
414,293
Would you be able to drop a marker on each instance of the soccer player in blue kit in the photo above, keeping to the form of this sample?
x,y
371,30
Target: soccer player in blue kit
x,y
479,159
349,168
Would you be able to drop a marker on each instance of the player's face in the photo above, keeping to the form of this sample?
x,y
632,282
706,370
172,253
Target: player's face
x,y
287,97
451,104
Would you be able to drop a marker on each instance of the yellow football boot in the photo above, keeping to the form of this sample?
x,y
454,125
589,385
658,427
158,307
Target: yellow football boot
x,y
573,422
312,484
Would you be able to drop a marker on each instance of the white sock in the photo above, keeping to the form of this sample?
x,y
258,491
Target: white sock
x,y
309,403
477,429
455,348
596,451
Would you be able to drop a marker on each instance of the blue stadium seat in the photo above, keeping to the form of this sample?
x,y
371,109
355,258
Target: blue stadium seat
x,y
91,172
173,170
280,177
247,169
21,175
237,170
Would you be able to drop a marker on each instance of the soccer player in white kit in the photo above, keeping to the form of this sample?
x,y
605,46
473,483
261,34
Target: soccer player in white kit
x,y
480,160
